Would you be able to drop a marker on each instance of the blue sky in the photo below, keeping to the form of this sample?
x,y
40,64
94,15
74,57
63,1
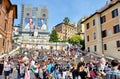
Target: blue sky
x,y
58,9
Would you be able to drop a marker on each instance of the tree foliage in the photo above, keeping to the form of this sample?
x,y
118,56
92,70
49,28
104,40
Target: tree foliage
x,y
16,39
82,42
75,39
66,21
53,36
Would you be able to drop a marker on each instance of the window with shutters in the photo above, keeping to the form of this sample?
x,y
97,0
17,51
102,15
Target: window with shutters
x,y
103,19
94,22
114,13
88,38
94,35
116,29
95,48
87,26
118,43
104,33
105,46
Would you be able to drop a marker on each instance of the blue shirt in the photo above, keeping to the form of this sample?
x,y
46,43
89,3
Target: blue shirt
x,y
49,68
113,74
56,73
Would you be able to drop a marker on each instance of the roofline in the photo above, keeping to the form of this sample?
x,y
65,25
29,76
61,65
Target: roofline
x,y
9,2
15,10
110,6
101,11
90,17
64,24
58,24
14,7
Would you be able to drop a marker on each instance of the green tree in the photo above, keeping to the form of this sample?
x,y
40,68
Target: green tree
x,y
16,39
82,42
66,21
53,36
75,39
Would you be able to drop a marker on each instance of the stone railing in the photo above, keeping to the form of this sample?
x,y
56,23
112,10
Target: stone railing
x,y
13,52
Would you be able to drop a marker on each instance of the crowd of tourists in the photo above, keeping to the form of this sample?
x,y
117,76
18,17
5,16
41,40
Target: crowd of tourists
x,y
59,65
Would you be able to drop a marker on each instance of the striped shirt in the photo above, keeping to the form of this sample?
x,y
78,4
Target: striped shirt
x,y
113,74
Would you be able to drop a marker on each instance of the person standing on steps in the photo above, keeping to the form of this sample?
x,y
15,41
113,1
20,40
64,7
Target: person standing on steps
x,y
1,68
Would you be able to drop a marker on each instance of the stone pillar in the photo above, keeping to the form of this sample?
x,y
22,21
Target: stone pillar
x,y
85,36
99,35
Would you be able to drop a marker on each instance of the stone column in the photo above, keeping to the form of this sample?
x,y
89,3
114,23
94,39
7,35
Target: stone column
x,y
99,35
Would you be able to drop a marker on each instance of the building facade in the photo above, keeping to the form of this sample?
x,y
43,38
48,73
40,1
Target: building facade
x,y
34,23
81,29
34,18
102,30
65,31
8,13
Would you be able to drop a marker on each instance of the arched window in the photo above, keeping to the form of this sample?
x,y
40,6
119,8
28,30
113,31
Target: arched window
x,y
94,35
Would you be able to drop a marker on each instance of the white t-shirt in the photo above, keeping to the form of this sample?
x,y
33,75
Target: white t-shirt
x,y
36,69
7,67
32,63
64,74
